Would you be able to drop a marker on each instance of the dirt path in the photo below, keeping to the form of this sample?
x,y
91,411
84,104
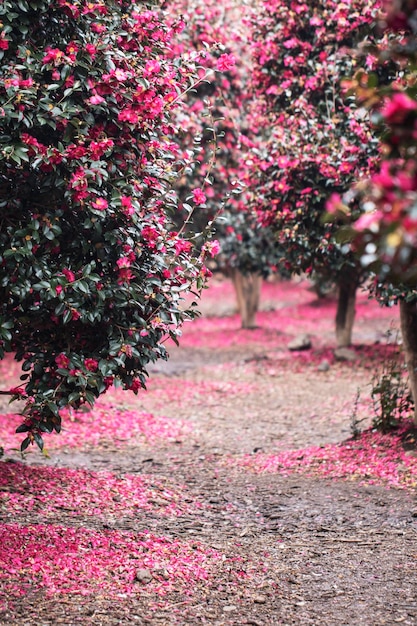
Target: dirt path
x,y
298,548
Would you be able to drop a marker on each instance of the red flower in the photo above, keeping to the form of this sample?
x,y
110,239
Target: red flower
x,y
62,361
91,364
69,275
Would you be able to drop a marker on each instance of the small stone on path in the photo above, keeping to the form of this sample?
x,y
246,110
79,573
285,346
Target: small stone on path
x,y
301,342
259,599
324,366
143,575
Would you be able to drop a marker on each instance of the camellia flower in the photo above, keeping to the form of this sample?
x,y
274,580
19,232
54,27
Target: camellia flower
x,y
128,115
226,62
397,108
128,208
199,196
152,67
212,247
100,204
53,55
182,245
123,262
91,364
62,361
96,99
125,276
69,275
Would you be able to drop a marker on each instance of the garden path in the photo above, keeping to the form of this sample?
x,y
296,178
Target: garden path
x,y
230,493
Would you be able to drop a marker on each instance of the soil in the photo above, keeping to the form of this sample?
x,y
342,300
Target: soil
x,y
311,550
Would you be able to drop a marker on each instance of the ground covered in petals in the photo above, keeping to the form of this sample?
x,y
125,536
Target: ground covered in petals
x,y
245,486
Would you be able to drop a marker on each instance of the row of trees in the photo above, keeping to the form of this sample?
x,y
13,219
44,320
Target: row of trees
x,y
126,130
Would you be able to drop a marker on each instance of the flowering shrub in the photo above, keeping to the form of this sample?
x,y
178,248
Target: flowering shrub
x,y
387,230
318,143
218,34
91,270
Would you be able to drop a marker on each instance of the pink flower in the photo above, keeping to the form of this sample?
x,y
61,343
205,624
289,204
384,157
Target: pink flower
x,y
100,204
125,276
334,203
91,49
182,245
69,275
17,391
124,261
398,107
96,99
198,196
152,67
211,248
128,208
53,55
368,221
128,115
226,62
91,364
62,361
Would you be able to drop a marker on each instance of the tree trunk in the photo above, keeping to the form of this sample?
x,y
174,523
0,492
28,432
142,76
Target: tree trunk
x,y
345,315
408,317
248,289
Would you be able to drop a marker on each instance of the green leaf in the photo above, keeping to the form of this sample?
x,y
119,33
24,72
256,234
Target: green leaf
x,y
38,440
23,428
25,443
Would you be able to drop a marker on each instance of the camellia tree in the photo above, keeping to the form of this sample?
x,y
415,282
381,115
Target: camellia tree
x,y
317,141
91,271
216,33
385,235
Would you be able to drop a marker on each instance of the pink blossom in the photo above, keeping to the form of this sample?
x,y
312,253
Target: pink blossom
x,y
62,361
398,107
123,262
100,204
69,275
212,247
128,115
368,221
199,196
96,99
135,385
125,275
17,391
126,202
91,49
91,364
226,62
152,67
53,55
182,245
75,315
